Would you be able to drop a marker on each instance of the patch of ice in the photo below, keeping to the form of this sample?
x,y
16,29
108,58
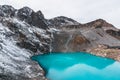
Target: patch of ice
x,y
53,30
15,20
12,57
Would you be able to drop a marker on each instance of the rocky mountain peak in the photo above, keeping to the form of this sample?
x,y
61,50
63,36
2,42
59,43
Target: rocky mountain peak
x,y
40,14
6,10
27,27
103,23
63,21
33,18
24,12
99,22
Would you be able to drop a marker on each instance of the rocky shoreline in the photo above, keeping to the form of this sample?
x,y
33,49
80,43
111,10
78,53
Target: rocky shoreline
x,y
106,52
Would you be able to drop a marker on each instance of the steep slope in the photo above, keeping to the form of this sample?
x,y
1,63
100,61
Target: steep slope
x,y
15,63
82,39
23,33
88,37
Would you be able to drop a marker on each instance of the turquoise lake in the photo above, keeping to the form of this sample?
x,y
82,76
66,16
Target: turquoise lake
x,y
78,66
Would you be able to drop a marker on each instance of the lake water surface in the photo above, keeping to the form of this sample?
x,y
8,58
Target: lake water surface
x,y
78,66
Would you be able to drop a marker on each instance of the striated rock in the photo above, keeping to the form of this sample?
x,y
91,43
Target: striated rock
x,y
114,33
18,42
28,45
15,62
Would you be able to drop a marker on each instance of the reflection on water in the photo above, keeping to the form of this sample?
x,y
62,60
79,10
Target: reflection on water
x,y
78,66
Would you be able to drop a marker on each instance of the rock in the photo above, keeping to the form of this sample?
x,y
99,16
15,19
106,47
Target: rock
x,y
38,21
100,23
18,42
7,11
28,45
70,42
62,21
114,33
105,51
32,18
40,15
24,13
1,47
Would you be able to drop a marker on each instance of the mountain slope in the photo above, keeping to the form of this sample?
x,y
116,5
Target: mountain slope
x,y
88,37
23,33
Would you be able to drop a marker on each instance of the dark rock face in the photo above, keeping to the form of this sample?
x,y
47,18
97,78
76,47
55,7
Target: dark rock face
x,y
6,11
31,17
114,33
69,42
28,45
38,21
24,13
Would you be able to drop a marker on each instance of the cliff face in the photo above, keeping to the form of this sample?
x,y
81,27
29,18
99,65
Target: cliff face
x,y
24,33
114,33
